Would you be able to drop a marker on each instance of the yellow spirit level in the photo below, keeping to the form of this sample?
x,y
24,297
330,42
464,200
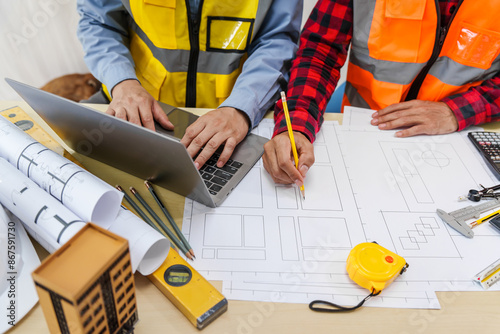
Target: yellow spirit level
x,y
190,292
373,267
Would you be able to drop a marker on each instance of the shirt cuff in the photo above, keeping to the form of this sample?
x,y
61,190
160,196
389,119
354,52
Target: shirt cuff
x,y
301,120
464,111
118,73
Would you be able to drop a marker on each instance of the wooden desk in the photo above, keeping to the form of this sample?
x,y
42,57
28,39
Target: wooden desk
x,y
462,312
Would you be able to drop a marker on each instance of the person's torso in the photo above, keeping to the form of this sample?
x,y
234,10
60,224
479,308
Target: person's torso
x,y
401,52
192,59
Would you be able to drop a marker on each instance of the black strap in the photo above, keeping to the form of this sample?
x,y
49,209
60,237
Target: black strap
x,y
338,308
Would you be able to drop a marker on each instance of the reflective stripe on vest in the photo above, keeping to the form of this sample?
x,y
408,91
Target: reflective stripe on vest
x,y
161,44
394,40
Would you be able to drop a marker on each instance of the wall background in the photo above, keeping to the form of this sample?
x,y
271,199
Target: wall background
x,y
38,41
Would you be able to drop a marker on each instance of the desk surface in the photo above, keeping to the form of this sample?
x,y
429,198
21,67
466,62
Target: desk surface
x,y
460,312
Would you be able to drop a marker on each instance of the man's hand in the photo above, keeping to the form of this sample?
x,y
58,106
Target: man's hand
x,y
133,103
225,125
279,162
418,117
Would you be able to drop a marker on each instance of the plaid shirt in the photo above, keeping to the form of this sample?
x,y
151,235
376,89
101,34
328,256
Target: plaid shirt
x,y
315,72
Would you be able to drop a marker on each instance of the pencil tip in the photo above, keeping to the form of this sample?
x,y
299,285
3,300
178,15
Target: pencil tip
x,y
119,187
148,185
132,189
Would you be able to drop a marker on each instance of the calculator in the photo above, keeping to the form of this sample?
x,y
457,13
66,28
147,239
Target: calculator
x,y
488,143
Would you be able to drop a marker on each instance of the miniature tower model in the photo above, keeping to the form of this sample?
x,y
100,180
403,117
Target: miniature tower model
x,y
87,285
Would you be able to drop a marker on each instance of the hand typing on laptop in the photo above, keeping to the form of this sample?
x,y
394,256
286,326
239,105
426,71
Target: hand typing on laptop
x,y
131,102
224,126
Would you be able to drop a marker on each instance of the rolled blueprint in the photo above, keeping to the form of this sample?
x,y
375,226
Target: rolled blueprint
x,y
35,207
87,196
148,248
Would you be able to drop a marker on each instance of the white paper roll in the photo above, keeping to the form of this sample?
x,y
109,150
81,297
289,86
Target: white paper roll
x,y
87,196
148,248
36,208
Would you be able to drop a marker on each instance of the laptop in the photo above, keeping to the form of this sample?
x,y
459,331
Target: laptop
x,y
155,156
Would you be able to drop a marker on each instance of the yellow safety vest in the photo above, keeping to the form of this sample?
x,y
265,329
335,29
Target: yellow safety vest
x,y
192,63
399,52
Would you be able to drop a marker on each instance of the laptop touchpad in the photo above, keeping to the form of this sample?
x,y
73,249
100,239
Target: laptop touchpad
x,y
181,119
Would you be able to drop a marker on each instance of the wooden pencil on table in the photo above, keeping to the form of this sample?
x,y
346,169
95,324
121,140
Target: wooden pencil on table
x,y
169,233
169,218
137,209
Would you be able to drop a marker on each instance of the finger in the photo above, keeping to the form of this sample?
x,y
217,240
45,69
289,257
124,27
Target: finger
x,y
229,147
110,111
192,132
121,113
271,164
200,140
404,121
160,116
285,163
210,147
146,115
412,131
306,160
395,107
132,116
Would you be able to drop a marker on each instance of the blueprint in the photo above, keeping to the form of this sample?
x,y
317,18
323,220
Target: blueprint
x,y
86,195
266,243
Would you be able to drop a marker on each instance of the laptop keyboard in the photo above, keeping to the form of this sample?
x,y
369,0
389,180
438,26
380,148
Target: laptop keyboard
x,y
217,177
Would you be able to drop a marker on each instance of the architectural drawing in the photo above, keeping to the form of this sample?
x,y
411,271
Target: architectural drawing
x,y
366,185
86,195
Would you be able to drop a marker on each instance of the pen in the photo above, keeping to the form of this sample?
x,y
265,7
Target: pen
x,y
171,236
482,220
292,139
169,218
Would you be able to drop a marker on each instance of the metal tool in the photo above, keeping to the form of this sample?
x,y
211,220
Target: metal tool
x,y
457,218
476,195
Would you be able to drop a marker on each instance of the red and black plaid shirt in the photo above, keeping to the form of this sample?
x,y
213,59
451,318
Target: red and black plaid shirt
x,y
323,50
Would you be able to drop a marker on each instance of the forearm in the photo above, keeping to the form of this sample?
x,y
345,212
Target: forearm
x,y
102,30
316,70
478,105
273,47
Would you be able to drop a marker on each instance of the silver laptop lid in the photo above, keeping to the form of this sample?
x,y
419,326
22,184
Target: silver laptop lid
x,y
155,156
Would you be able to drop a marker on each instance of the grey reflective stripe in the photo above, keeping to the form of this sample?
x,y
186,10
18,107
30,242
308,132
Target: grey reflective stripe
x,y
126,4
452,73
362,20
262,10
354,98
445,69
381,70
386,71
178,60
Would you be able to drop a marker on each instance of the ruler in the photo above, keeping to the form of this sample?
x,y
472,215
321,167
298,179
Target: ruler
x,y
23,121
488,276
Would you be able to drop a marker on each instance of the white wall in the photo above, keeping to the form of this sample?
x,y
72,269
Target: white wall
x,y
38,41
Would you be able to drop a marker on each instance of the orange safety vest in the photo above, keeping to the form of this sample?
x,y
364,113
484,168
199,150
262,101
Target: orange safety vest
x,y
399,51
192,63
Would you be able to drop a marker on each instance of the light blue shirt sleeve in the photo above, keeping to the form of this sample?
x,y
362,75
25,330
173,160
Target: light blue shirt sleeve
x,y
275,44
103,32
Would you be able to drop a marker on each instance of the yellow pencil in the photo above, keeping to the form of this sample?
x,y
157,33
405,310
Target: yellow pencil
x,y
292,140
482,220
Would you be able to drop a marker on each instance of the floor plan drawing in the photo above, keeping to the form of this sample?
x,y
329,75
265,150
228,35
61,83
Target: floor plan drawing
x,y
366,185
